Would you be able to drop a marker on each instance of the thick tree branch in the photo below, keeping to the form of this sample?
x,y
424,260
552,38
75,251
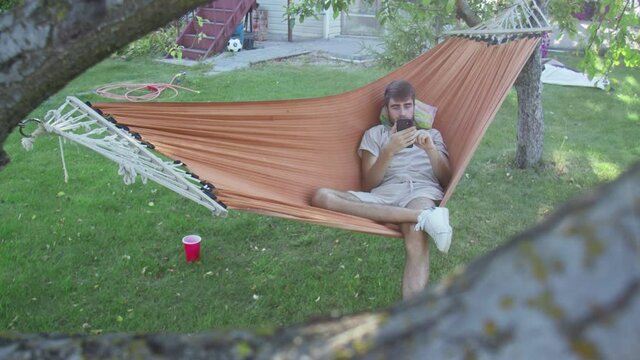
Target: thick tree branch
x,y
464,12
568,288
47,43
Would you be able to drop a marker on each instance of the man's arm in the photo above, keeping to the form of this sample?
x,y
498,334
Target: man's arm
x,y
439,161
374,167
440,165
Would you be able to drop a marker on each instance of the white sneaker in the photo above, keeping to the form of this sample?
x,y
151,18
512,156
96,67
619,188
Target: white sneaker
x,y
435,222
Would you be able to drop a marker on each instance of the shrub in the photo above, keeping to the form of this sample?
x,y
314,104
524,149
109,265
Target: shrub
x,y
155,43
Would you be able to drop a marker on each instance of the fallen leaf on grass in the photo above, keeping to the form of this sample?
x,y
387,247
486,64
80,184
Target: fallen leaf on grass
x,y
13,322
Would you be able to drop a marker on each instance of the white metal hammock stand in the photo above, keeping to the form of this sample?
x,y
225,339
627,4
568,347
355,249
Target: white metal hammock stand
x,y
76,121
523,17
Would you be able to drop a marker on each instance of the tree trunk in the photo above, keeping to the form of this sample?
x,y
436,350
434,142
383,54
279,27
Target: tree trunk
x,y
568,288
530,130
47,43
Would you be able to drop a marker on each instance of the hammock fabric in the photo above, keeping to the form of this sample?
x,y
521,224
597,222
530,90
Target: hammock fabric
x,y
269,157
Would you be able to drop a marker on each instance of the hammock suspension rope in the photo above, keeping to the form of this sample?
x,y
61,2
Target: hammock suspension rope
x,y
78,122
523,18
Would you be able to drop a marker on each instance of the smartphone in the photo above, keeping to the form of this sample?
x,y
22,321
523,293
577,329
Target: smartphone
x,y
405,124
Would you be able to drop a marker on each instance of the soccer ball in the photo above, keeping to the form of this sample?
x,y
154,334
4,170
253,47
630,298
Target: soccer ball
x,y
234,45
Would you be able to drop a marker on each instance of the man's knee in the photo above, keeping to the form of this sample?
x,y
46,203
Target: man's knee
x,y
331,199
420,203
322,197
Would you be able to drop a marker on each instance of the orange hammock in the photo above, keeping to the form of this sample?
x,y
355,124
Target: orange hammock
x,y
269,157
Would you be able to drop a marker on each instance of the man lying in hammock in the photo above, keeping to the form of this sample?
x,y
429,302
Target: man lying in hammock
x,y
404,184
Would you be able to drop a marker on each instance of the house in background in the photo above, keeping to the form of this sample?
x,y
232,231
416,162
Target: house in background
x,y
359,21
212,24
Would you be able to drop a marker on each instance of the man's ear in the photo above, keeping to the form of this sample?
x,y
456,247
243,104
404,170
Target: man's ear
x,y
384,116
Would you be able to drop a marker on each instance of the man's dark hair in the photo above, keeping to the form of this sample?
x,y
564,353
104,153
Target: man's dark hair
x,y
399,89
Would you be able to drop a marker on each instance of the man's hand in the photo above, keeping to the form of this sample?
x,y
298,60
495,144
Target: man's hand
x,y
424,140
401,139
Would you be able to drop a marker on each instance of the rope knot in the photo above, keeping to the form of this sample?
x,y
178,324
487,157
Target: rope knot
x,y
128,173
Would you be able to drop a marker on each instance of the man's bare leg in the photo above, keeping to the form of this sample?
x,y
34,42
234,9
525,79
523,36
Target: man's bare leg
x,y
416,270
416,267
347,203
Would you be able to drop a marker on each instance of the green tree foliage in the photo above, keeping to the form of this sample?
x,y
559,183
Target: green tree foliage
x,y
411,29
613,31
8,4
412,26
158,42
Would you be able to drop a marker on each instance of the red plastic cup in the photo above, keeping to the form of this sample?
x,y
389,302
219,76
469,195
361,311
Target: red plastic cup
x,y
192,247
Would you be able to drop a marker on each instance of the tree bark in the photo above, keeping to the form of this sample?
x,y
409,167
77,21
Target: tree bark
x,y
464,12
569,288
47,43
530,129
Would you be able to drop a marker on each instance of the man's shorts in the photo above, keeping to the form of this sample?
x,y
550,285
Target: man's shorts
x,y
399,194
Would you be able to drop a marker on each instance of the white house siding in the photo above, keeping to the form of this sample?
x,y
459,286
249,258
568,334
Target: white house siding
x,y
310,28
334,26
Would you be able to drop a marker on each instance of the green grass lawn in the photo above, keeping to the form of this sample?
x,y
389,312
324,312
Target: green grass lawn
x,y
93,255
